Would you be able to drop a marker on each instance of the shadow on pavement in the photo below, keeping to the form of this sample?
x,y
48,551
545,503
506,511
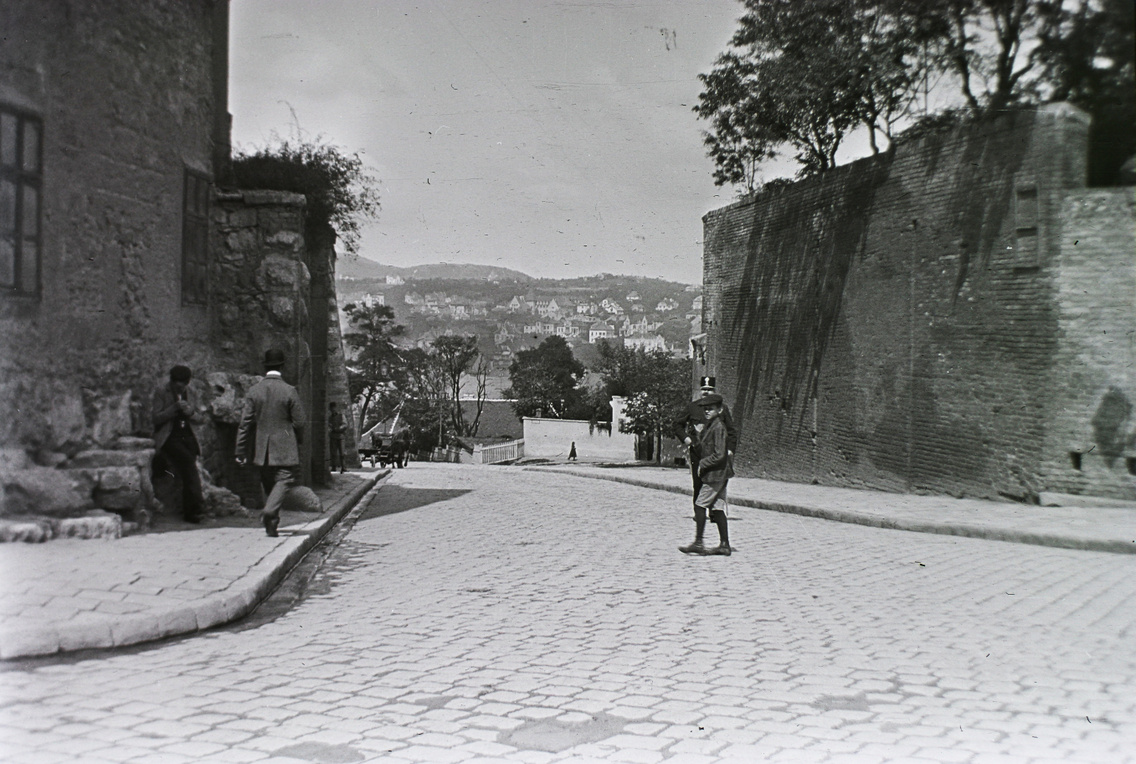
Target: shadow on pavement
x,y
392,500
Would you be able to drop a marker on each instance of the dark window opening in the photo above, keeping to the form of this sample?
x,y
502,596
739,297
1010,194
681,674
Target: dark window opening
x,y
1131,464
21,188
195,239
1075,458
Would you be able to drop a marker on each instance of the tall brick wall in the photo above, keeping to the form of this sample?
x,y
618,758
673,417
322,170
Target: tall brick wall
x,y
1091,442
895,323
125,94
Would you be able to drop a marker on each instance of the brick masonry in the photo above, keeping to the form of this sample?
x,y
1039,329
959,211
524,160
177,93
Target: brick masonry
x,y
917,321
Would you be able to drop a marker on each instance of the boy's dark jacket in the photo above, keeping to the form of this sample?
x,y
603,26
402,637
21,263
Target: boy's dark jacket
x,y
714,466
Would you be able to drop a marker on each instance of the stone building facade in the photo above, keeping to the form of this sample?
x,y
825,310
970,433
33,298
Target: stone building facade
x,y
120,257
954,317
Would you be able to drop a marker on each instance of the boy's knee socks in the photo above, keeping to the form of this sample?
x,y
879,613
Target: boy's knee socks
x,y
718,517
699,522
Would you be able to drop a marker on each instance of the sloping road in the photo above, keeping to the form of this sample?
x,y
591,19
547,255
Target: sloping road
x,y
508,615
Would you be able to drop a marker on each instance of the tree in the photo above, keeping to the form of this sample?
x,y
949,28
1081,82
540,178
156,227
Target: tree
x,y
341,193
544,380
656,385
1086,52
375,367
802,74
456,356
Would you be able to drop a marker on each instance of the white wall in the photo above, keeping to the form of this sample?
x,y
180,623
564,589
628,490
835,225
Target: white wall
x,y
553,438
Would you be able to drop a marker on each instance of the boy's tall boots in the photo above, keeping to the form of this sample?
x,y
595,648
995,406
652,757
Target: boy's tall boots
x,y
718,517
699,526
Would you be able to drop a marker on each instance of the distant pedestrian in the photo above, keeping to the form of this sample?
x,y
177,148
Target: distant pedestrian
x,y
273,410
336,427
714,470
173,409
690,426
572,452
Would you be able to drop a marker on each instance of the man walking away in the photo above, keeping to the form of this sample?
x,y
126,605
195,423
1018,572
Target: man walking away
x,y
714,470
336,427
274,411
173,409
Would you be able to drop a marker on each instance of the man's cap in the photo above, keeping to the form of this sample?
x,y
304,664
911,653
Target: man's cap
x,y
273,359
180,373
707,382
713,399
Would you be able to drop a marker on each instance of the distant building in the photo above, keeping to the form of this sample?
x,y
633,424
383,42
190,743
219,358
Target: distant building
x,y
600,330
394,280
666,305
371,300
645,342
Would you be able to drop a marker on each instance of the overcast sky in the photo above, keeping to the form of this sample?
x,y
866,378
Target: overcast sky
x,y
555,137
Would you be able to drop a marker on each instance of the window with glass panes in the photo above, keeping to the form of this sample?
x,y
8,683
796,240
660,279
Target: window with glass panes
x,y
195,239
21,182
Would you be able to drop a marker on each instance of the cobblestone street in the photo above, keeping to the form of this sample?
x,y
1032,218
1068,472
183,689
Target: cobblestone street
x,y
500,614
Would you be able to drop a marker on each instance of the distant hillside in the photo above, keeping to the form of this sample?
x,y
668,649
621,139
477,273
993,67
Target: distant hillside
x,y
362,268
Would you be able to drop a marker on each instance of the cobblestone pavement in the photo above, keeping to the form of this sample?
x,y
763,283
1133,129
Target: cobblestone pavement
x,y
498,614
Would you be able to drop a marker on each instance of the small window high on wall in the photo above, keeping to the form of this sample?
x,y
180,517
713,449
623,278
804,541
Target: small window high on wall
x,y
21,187
195,239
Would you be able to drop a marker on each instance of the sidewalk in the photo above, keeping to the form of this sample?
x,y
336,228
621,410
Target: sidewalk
x,y
1109,527
72,594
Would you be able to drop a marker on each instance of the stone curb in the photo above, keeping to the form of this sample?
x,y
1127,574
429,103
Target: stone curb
x,y
1113,546
242,596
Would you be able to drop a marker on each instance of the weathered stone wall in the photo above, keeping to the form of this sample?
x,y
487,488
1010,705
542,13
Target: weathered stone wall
x,y
896,323
261,289
125,94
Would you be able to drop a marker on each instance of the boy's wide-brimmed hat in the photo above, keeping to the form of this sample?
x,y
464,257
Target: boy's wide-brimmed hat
x,y
713,399
706,382
273,359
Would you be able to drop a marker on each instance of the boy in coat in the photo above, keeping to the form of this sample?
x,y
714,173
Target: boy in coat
x,y
690,425
274,411
714,471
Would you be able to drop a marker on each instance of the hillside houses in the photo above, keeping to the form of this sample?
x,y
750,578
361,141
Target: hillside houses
x,y
643,315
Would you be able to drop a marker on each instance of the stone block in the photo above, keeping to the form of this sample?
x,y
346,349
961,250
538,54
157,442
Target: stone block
x,y
281,309
302,499
16,642
285,198
241,241
93,525
221,502
85,632
45,491
103,458
242,218
119,478
132,443
14,459
111,417
30,530
291,239
66,421
229,390
132,629
277,271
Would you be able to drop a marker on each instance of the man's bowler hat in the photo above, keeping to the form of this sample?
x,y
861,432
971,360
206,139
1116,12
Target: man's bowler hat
x,y
707,382
713,399
180,373
273,359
